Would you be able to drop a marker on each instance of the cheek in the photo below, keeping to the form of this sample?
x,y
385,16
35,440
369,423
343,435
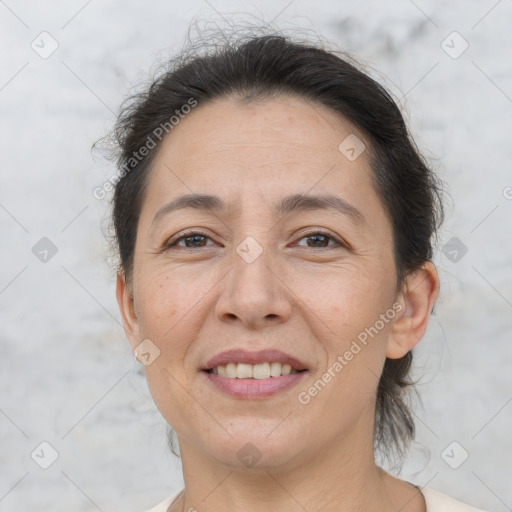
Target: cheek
x,y
165,301
347,299
350,305
165,316
168,317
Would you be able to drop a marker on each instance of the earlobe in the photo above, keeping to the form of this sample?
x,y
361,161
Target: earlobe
x,y
418,296
125,302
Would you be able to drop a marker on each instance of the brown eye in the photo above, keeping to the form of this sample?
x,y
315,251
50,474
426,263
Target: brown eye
x,y
192,240
320,239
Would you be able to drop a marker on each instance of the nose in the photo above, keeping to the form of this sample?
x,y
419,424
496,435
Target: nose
x,y
254,293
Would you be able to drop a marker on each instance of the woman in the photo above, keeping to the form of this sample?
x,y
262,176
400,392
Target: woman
x,y
274,221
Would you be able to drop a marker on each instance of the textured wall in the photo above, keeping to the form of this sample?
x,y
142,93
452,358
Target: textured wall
x,y
67,376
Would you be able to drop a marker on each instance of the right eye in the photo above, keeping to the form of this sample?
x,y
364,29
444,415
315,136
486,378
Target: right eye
x,y
191,239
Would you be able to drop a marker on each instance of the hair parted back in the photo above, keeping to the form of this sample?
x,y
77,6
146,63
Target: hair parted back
x,y
262,62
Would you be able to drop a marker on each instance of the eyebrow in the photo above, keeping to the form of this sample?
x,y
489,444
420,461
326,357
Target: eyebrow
x,y
289,204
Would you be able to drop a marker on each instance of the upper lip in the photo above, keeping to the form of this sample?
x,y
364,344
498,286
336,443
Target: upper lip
x,y
247,357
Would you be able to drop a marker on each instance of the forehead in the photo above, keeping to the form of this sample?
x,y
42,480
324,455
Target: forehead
x,y
265,149
263,129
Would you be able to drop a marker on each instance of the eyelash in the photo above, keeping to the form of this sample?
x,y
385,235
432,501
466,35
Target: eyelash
x,y
308,234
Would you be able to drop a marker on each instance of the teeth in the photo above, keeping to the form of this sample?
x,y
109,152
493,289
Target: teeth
x,y
286,369
257,371
243,371
275,369
231,370
261,371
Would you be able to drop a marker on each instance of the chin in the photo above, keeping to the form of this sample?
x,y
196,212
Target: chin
x,y
255,444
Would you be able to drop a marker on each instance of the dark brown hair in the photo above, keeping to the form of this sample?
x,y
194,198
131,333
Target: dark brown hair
x,y
260,66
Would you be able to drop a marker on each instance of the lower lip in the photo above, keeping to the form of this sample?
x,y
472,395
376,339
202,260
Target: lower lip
x,y
254,388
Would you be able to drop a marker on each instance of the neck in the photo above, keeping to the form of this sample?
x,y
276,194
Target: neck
x,y
345,478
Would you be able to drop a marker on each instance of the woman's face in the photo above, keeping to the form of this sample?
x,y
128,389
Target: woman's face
x,y
316,283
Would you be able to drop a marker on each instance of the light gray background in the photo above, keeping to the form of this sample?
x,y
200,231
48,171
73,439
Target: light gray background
x,y
67,375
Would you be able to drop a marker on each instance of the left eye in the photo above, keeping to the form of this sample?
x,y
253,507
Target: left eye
x,y
320,239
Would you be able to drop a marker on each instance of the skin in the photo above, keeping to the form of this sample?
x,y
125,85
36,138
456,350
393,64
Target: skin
x,y
300,296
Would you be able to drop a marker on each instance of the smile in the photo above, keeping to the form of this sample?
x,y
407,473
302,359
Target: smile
x,y
251,388
253,371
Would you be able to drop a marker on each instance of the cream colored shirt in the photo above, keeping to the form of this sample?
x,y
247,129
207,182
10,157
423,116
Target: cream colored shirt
x,y
436,502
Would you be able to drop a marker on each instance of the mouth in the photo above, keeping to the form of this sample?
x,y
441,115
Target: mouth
x,y
253,375
263,364
258,371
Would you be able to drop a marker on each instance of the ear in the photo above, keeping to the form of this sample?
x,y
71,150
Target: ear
x,y
417,299
125,301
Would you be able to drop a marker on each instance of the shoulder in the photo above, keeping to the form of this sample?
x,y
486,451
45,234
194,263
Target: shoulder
x,y
164,505
438,502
